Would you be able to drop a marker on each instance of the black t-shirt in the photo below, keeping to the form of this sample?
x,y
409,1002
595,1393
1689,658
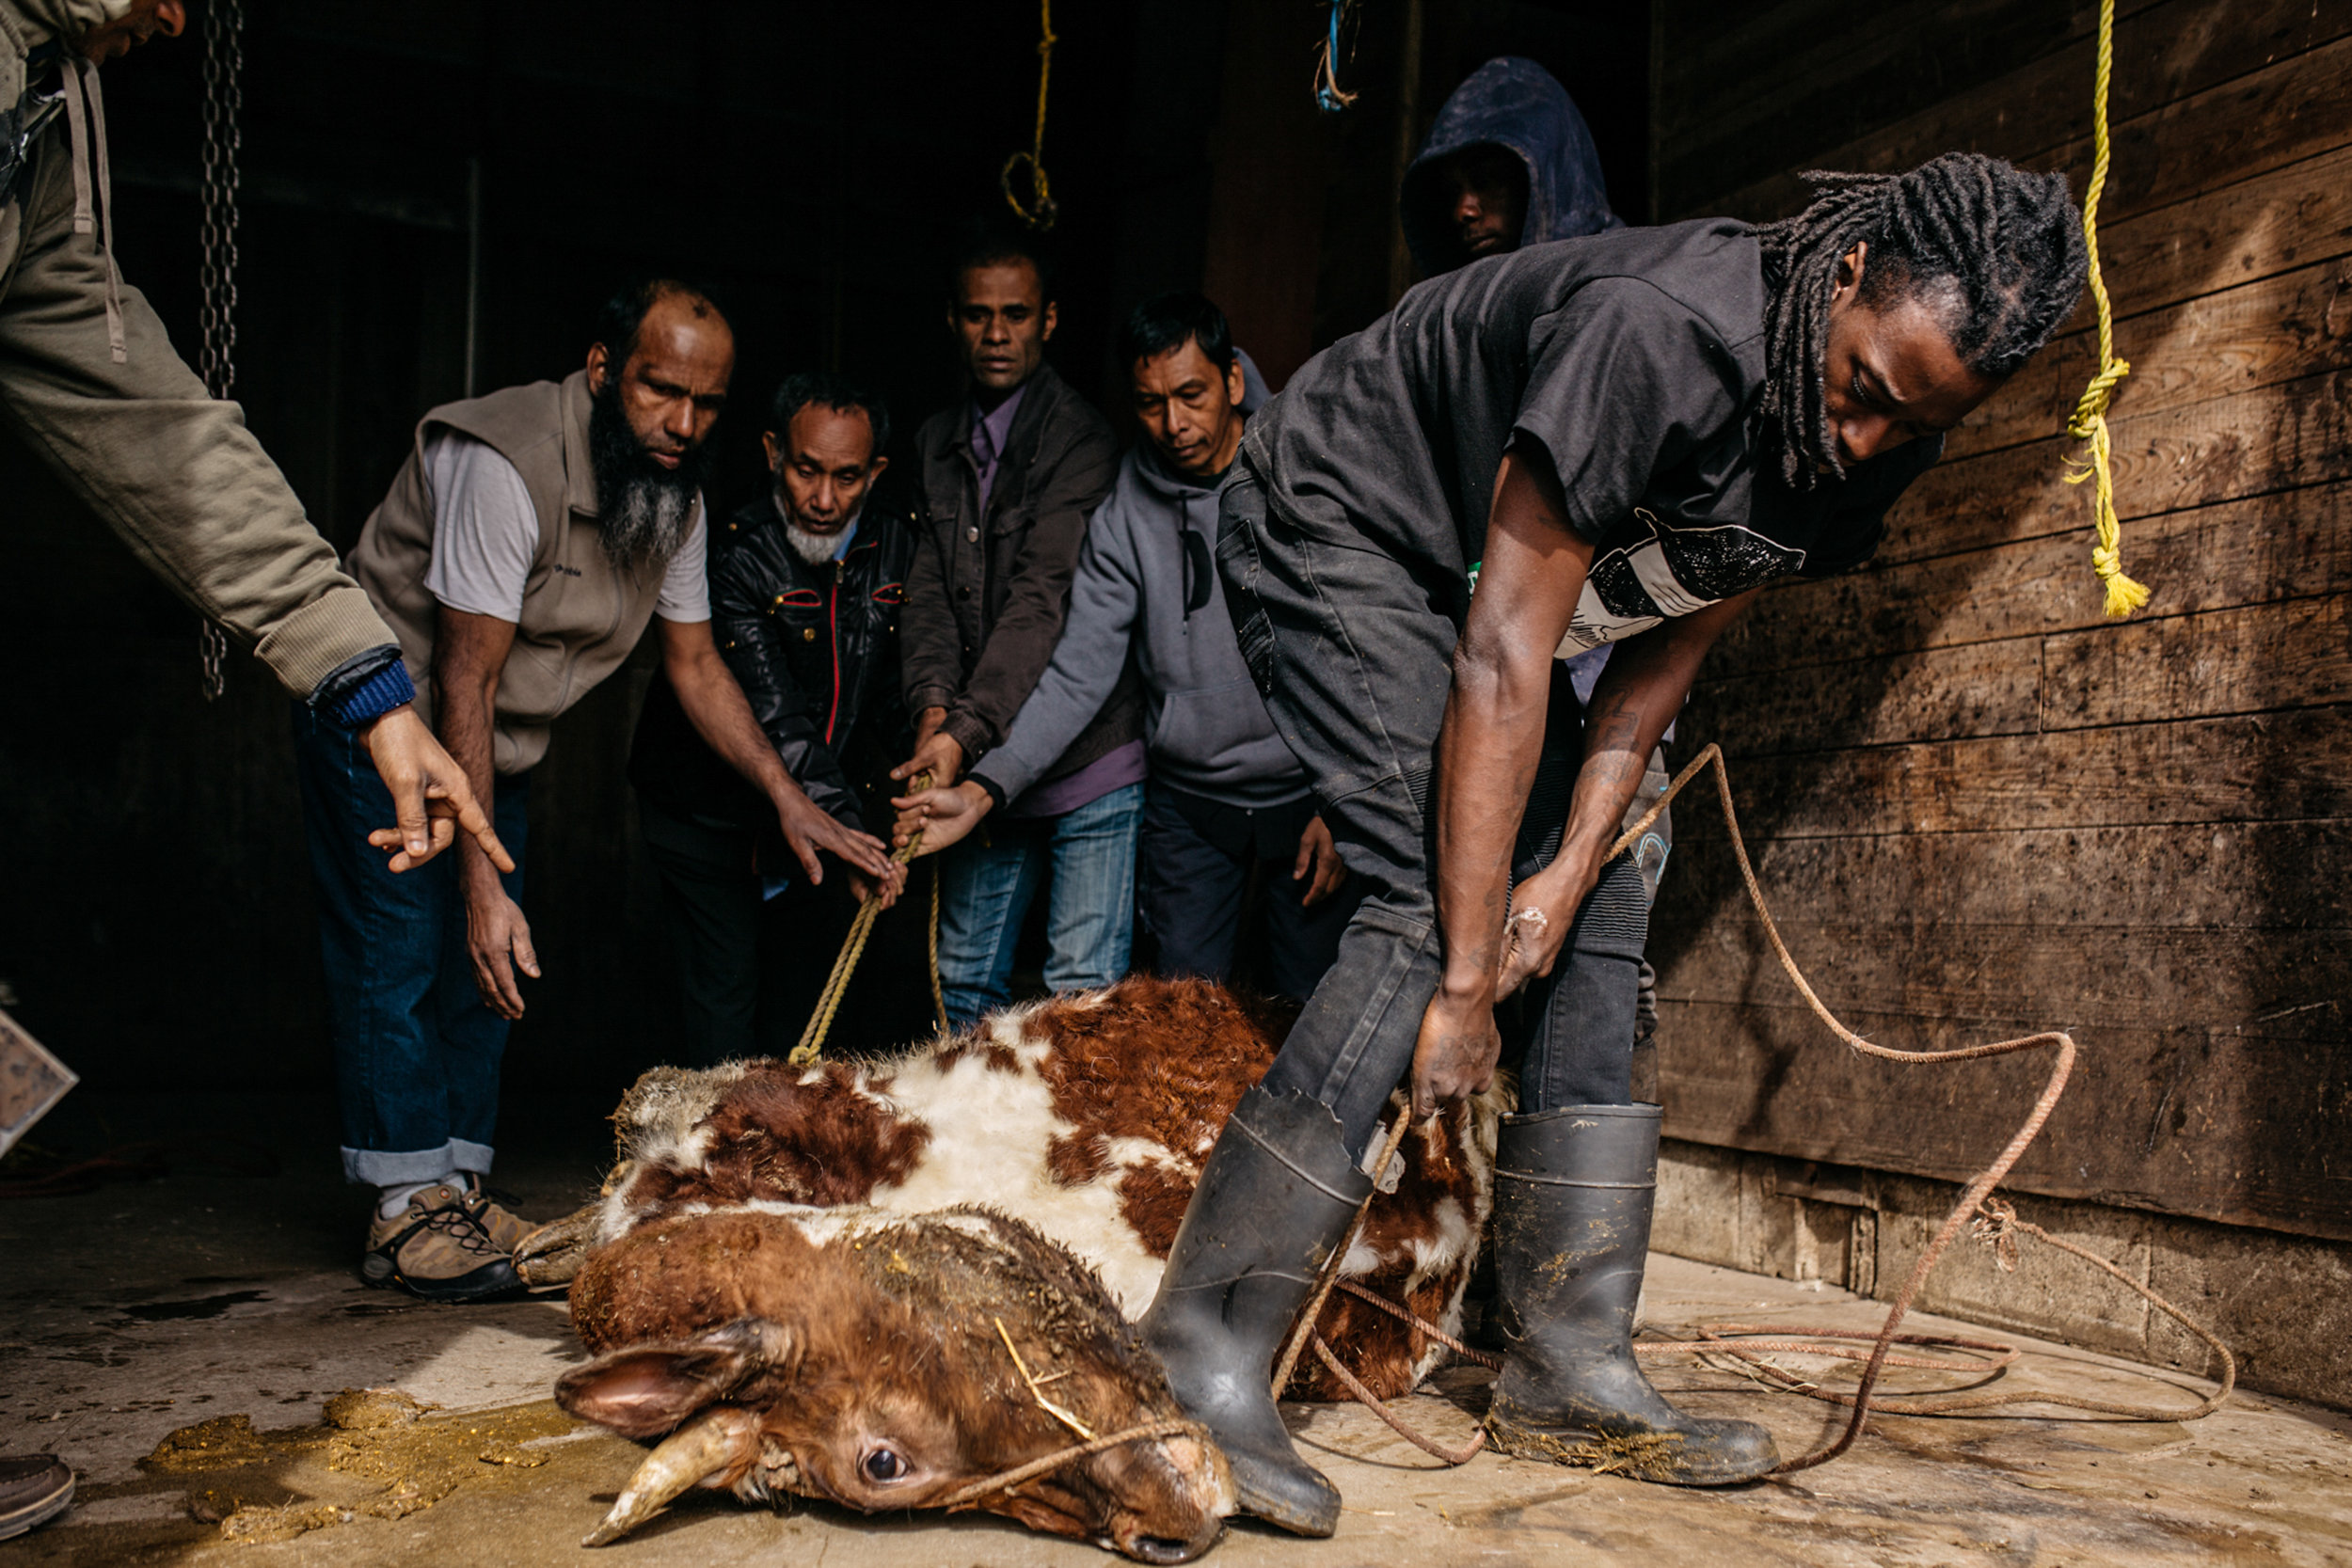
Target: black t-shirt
x,y
1635,360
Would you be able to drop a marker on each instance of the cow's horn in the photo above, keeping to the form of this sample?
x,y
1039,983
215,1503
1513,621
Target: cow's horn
x,y
709,1445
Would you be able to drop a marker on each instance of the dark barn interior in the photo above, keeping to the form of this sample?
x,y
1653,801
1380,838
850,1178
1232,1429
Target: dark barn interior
x,y
1980,808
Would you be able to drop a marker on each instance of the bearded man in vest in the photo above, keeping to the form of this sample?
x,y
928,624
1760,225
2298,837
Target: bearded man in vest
x,y
519,555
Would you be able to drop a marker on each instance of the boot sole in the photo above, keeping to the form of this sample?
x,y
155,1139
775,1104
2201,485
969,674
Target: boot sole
x,y
31,1516
485,1283
1657,1457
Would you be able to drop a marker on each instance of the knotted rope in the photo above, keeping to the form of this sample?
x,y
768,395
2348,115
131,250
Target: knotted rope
x,y
2089,421
853,948
1995,1220
1040,212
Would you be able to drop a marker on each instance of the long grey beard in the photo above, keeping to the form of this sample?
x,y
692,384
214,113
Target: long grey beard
x,y
646,523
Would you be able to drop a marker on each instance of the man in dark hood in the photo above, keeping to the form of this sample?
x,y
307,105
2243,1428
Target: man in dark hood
x,y
1509,163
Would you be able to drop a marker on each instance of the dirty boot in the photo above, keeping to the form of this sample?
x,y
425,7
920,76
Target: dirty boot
x,y
436,1249
1276,1197
505,1228
1573,1192
34,1489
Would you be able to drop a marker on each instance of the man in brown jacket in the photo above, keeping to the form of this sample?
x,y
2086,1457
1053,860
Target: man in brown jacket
x,y
89,381
522,551
1009,475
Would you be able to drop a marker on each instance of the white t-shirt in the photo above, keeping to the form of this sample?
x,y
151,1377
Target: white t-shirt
x,y
485,530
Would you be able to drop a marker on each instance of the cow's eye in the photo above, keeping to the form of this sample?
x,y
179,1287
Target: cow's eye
x,y
883,1466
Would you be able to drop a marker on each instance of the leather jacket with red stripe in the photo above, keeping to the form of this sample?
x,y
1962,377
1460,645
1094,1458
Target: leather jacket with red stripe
x,y
816,650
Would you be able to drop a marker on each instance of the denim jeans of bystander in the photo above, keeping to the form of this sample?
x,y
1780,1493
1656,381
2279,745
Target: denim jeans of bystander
x,y
417,1054
987,881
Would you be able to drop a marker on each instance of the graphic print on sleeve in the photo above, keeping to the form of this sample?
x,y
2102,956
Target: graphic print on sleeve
x,y
1670,572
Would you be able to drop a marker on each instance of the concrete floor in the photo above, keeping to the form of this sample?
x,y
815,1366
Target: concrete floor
x,y
130,1312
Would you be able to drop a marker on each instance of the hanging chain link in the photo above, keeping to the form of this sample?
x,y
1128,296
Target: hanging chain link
x,y
223,103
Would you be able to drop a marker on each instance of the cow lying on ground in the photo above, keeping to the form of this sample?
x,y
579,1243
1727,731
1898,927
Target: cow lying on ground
x,y
885,1361
1086,1115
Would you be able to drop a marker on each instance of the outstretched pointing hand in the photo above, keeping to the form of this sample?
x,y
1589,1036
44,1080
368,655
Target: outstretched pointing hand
x,y
431,799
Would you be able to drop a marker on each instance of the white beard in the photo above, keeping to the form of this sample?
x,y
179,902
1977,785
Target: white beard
x,y
814,548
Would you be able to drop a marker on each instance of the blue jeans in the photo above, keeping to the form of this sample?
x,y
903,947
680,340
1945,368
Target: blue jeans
x,y
416,1052
985,885
1194,884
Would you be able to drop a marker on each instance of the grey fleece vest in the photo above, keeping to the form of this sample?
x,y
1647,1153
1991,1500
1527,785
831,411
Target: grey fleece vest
x,y
580,614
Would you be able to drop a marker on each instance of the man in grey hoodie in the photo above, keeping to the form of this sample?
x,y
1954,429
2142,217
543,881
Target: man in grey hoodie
x,y
1225,796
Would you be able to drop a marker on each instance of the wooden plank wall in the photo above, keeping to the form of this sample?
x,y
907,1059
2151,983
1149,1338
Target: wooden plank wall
x,y
1980,808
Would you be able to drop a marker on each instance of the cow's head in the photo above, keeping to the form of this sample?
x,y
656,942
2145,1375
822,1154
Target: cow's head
x,y
870,1358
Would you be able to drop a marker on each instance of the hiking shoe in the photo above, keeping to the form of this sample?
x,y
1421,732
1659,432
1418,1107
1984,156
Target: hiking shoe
x,y
436,1249
505,1228
35,1488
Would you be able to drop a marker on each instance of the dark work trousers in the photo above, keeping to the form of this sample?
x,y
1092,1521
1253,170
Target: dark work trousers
x,y
1354,654
751,969
1193,872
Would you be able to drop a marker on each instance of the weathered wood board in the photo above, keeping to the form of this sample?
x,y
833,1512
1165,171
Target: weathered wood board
x,y
1978,807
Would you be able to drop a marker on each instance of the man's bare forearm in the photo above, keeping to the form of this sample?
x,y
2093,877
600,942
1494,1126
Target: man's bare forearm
x,y
1493,732
1486,754
1634,703
465,714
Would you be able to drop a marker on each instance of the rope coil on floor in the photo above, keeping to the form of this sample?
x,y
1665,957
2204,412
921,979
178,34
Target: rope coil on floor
x,y
1997,1222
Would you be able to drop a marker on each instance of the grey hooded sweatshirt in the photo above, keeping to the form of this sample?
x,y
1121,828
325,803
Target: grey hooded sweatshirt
x,y
1146,587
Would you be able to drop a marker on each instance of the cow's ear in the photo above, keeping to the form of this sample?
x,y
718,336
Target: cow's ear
x,y
647,1389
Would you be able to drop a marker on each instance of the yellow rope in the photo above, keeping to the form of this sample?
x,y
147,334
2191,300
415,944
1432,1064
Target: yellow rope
x,y
2089,423
1040,212
853,948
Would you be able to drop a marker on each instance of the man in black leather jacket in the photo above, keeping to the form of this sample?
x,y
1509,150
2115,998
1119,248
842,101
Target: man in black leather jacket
x,y
805,588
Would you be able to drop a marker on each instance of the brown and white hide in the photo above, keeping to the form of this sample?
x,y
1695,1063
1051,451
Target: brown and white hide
x,y
1089,1116
868,1357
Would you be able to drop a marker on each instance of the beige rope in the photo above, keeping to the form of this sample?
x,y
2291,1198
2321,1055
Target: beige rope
x,y
1005,1481
1973,1198
853,948
1997,1222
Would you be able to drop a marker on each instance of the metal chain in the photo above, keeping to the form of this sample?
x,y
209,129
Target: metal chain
x,y
224,104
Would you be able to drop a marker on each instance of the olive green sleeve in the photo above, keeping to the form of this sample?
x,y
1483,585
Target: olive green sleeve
x,y
171,470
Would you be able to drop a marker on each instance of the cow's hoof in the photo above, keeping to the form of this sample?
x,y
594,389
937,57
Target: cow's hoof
x,y
547,1258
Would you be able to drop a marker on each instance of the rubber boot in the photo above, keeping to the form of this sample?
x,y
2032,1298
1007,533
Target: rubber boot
x,y
1276,1197
1574,1191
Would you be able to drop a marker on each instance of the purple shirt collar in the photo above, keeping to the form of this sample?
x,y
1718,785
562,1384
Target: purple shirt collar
x,y
998,424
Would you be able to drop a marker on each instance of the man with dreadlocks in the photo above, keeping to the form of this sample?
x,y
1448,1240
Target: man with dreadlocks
x,y
1614,439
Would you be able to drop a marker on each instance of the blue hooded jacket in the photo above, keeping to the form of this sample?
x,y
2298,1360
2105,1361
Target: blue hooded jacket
x,y
1515,103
